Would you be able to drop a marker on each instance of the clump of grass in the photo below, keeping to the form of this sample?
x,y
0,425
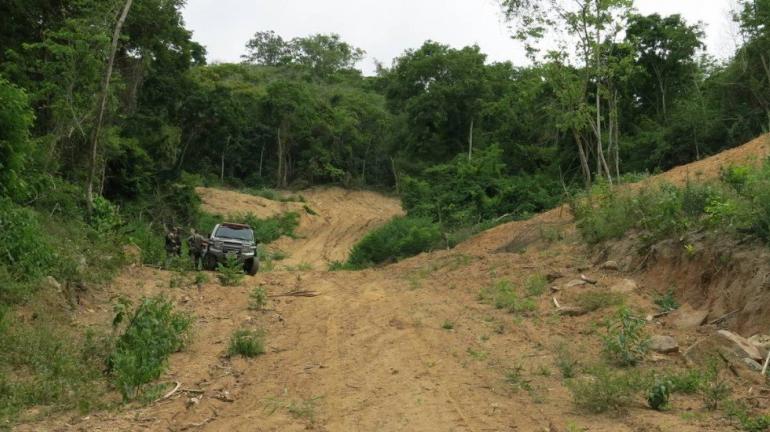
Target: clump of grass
x,y
300,409
153,331
566,362
448,325
514,377
503,295
605,390
626,341
230,272
594,300
246,343
257,298
535,285
667,302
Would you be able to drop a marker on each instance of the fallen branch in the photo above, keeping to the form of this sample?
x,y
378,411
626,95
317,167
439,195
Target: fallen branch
x,y
767,360
724,317
170,393
556,303
297,293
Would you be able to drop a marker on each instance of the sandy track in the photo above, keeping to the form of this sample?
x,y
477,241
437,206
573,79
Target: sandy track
x,y
342,218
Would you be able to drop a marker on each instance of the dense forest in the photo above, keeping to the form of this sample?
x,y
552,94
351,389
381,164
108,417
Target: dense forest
x,y
110,116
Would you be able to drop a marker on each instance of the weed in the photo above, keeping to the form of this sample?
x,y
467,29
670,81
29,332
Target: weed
x,y
688,382
503,295
535,285
200,279
566,362
626,342
448,325
551,234
543,370
246,343
659,394
605,390
714,389
230,272
515,378
152,333
477,355
748,421
667,302
595,300
300,409
257,298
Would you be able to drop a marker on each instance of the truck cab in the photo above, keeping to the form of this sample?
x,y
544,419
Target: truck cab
x,y
232,239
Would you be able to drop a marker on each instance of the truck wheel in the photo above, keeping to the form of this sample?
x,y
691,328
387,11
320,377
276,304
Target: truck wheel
x,y
209,262
252,266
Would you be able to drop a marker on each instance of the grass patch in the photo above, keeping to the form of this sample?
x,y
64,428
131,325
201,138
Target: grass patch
x,y
504,295
626,341
604,389
258,298
595,300
667,302
535,285
246,343
447,325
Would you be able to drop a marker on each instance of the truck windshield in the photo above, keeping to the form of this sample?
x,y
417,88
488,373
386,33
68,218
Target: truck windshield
x,y
236,233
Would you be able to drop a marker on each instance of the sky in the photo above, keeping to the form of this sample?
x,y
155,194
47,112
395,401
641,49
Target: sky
x,y
385,28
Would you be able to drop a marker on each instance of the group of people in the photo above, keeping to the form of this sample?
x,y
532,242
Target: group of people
x,y
196,245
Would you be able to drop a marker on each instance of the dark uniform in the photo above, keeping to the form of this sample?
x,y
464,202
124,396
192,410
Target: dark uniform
x,y
173,243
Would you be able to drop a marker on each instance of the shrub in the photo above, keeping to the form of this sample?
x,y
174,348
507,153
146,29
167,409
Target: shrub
x,y
595,300
246,343
105,217
257,298
659,394
748,421
153,331
605,390
625,342
714,389
230,272
400,238
566,362
688,382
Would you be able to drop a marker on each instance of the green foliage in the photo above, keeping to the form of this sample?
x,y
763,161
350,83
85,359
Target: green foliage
x,y
746,419
605,390
466,192
448,325
535,285
16,147
714,389
690,381
25,251
105,216
504,295
625,343
258,298
667,302
596,299
659,394
246,343
152,332
230,272
399,238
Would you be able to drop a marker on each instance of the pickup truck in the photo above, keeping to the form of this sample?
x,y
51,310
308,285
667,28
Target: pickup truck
x,y
231,239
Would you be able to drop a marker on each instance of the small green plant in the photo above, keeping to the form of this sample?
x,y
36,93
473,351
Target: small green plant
x,y
477,354
535,285
594,300
566,362
300,409
667,302
503,295
748,421
515,378
659,394
200,279
246,343
690,250
257,298
153,331
715,389
605,390
689,381
448,325
626,342
309,210
230,272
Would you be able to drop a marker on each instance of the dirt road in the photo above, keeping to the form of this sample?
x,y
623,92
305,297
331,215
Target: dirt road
x,y
407,347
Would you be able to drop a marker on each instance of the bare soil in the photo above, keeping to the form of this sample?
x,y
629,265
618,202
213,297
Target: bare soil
x,y
373,351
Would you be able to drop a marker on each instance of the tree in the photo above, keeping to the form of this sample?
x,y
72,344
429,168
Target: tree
x,y
267,48
15,145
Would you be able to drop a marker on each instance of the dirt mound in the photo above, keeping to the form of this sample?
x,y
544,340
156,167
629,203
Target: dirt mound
x,y
332,220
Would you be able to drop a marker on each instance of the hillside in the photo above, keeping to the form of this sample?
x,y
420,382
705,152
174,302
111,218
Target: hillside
x,y
403,347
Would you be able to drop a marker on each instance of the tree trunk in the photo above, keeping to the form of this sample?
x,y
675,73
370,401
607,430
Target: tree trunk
x,y
280,160
103,105
261,158
583,159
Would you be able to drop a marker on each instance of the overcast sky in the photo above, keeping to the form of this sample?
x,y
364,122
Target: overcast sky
x,y
386,28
